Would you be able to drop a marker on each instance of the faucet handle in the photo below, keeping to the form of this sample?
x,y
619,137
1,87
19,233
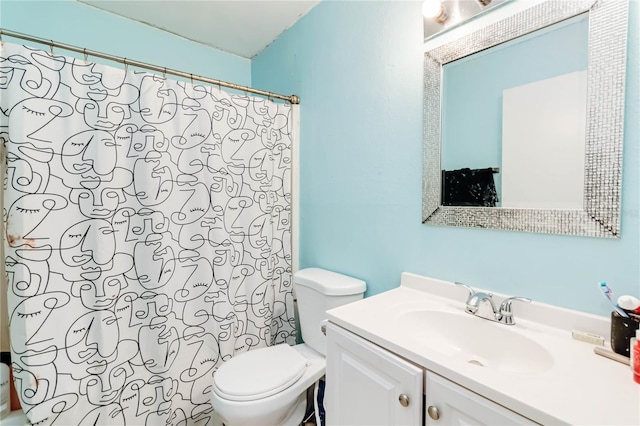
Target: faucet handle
x,y
468,287
505,308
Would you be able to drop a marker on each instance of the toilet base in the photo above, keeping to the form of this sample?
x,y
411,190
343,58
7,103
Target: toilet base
x,y
286,408
293,417
297,414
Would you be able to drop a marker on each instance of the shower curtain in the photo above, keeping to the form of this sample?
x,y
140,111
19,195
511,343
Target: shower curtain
x,y
147,237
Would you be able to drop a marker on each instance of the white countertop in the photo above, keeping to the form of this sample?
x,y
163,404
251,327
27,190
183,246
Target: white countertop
x,y
580,388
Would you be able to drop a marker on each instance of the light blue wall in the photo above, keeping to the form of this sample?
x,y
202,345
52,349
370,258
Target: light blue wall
x,y
77,24
357,67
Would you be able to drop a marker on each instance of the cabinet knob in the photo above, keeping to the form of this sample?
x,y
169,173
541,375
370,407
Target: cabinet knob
x,y
404,400
433,412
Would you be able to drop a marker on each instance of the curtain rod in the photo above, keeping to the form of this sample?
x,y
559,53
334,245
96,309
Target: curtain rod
x,y
293,99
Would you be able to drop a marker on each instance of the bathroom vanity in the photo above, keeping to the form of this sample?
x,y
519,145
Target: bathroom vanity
x,y
413,356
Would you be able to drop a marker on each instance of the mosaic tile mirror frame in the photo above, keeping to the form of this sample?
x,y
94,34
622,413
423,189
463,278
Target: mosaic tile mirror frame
x,y
607,44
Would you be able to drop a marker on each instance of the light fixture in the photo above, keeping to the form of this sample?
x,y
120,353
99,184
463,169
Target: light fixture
x,y
435,10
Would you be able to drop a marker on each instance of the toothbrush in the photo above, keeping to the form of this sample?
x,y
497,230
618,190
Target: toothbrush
x,y
608,293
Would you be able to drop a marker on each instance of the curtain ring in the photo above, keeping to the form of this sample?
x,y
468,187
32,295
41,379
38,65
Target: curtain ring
x,y
126,66
51,47
84,53
164,73
192,79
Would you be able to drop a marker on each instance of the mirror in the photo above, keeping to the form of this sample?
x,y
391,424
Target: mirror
x,y
524,115
516,109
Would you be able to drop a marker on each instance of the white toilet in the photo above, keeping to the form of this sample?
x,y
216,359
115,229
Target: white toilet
x,y
268,386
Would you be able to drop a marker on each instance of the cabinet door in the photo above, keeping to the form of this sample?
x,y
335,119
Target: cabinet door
x,y
367,385
448,403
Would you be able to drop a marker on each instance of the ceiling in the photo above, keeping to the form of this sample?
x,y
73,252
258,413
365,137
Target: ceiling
x,y
246,27
241,27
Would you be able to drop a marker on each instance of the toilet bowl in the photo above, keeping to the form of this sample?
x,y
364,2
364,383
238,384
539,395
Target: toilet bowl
x,y
268,386
266,394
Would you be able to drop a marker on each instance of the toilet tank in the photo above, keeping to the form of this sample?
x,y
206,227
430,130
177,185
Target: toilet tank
x,y
317,291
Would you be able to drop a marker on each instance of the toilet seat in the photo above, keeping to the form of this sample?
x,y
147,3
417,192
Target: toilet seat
x,y
259,373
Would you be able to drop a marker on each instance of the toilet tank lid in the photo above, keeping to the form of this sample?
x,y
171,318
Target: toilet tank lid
x,y
329,283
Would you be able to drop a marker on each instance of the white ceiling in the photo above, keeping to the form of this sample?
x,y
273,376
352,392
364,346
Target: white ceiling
x,y
241,27
246,27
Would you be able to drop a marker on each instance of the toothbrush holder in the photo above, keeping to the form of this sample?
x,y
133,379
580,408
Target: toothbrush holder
x,y
622,330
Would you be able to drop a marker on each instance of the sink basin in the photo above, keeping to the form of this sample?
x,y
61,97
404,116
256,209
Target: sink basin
x,y
477,341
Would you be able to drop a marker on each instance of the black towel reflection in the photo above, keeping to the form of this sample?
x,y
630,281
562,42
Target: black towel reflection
x,y
469,187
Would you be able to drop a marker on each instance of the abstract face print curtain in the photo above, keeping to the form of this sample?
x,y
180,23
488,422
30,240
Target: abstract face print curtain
x,y
147,238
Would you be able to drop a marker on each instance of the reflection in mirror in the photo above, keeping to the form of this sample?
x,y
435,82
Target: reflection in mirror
x,y
527,117
513,129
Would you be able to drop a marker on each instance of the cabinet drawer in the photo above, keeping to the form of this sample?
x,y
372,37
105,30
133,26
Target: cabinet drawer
x,y
448,403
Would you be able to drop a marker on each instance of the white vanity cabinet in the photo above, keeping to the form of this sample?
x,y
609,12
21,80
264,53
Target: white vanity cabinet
x,y
367,385
447,403
417,340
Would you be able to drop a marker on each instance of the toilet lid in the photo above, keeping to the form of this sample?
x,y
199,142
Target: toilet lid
x,y
259,373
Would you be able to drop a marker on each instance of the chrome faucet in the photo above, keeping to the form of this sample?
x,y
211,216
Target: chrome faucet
x,y
503,314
